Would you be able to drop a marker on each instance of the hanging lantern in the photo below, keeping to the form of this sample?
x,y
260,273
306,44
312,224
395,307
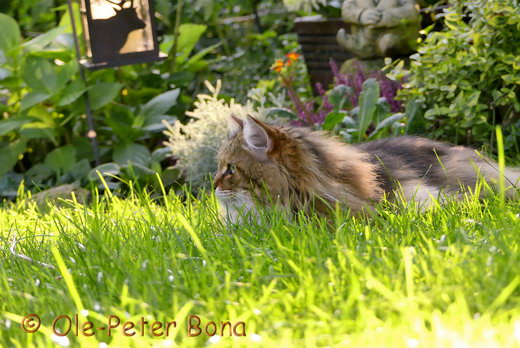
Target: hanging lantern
x,y
119,32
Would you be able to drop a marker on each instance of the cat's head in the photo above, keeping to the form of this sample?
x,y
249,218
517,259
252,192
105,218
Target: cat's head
x,y
250,166
292,167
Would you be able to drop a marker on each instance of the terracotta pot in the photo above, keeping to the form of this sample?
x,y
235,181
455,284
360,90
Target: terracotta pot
x,y
317,37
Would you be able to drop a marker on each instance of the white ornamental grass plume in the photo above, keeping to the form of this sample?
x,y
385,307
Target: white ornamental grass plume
x,y
196,143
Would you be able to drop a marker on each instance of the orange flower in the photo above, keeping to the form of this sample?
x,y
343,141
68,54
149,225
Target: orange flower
x,y
293,56
278,65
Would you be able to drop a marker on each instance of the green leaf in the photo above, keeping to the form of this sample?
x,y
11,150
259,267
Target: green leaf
x,y
367,105
182,78
4,73
415,118
81,169
103,93
65,19
38,173
9,184
282,113
135,169
194,64
332,119
383,109
39,73
11,124
386,123
10,36
9,155
53,54
43,40
338,97
33,98
133,153
349,122
65,73
160,104
72,92
45,77
38,130
170,175
121,119
62,159
105,169
155,124
161,154
167,43
189,35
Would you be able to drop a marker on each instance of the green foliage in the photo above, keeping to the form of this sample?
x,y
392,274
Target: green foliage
x,y
10,37
367,106
371,119
33,15
467,77
10,154
43,124
61,159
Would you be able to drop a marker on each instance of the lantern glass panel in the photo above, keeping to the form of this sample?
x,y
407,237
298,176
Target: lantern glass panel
x,y
119,31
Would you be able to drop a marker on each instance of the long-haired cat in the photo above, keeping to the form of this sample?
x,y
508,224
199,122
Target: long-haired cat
x,y
298,168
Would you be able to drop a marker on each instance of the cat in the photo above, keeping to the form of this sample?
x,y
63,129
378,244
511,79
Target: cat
x,y
301,169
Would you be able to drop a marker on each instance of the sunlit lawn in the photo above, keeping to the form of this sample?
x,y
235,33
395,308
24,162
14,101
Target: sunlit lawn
x,y
448,277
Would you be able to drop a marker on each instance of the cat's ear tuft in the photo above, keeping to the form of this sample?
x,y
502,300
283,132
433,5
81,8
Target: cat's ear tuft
x,y
235,126
256,138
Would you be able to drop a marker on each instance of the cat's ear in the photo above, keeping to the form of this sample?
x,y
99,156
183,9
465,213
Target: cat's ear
x,y
256,137
235,126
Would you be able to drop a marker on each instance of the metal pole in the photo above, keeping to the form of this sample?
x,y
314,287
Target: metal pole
x,y
92,135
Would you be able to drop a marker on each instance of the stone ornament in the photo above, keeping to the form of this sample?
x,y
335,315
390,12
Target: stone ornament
x,y
380,28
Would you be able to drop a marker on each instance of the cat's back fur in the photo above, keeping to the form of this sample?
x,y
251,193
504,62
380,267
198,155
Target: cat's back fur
x,y
420,166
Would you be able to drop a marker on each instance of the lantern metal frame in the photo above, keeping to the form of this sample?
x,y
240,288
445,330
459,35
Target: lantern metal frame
x,y
121,58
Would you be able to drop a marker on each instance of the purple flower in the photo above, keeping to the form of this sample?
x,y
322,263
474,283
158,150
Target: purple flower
x,y
339,77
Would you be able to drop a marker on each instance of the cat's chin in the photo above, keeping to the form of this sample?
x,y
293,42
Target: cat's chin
x,y
236,207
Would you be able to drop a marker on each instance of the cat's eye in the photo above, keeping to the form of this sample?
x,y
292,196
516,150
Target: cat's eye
x,y
230,169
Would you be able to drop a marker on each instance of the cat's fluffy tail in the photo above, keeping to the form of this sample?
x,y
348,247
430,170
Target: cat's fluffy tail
x,y
512,182
511,179
479,166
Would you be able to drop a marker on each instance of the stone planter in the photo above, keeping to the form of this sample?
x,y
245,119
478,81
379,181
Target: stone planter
x,y
317,37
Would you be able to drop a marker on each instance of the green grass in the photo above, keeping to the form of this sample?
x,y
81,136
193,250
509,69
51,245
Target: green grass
x,y
447,277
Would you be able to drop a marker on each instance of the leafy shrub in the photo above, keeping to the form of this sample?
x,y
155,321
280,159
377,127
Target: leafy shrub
x,y
33,15
42,121
359,106
467,77
371,119
194,145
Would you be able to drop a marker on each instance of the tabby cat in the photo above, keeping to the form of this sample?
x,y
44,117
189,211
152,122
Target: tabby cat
x,y
304,169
